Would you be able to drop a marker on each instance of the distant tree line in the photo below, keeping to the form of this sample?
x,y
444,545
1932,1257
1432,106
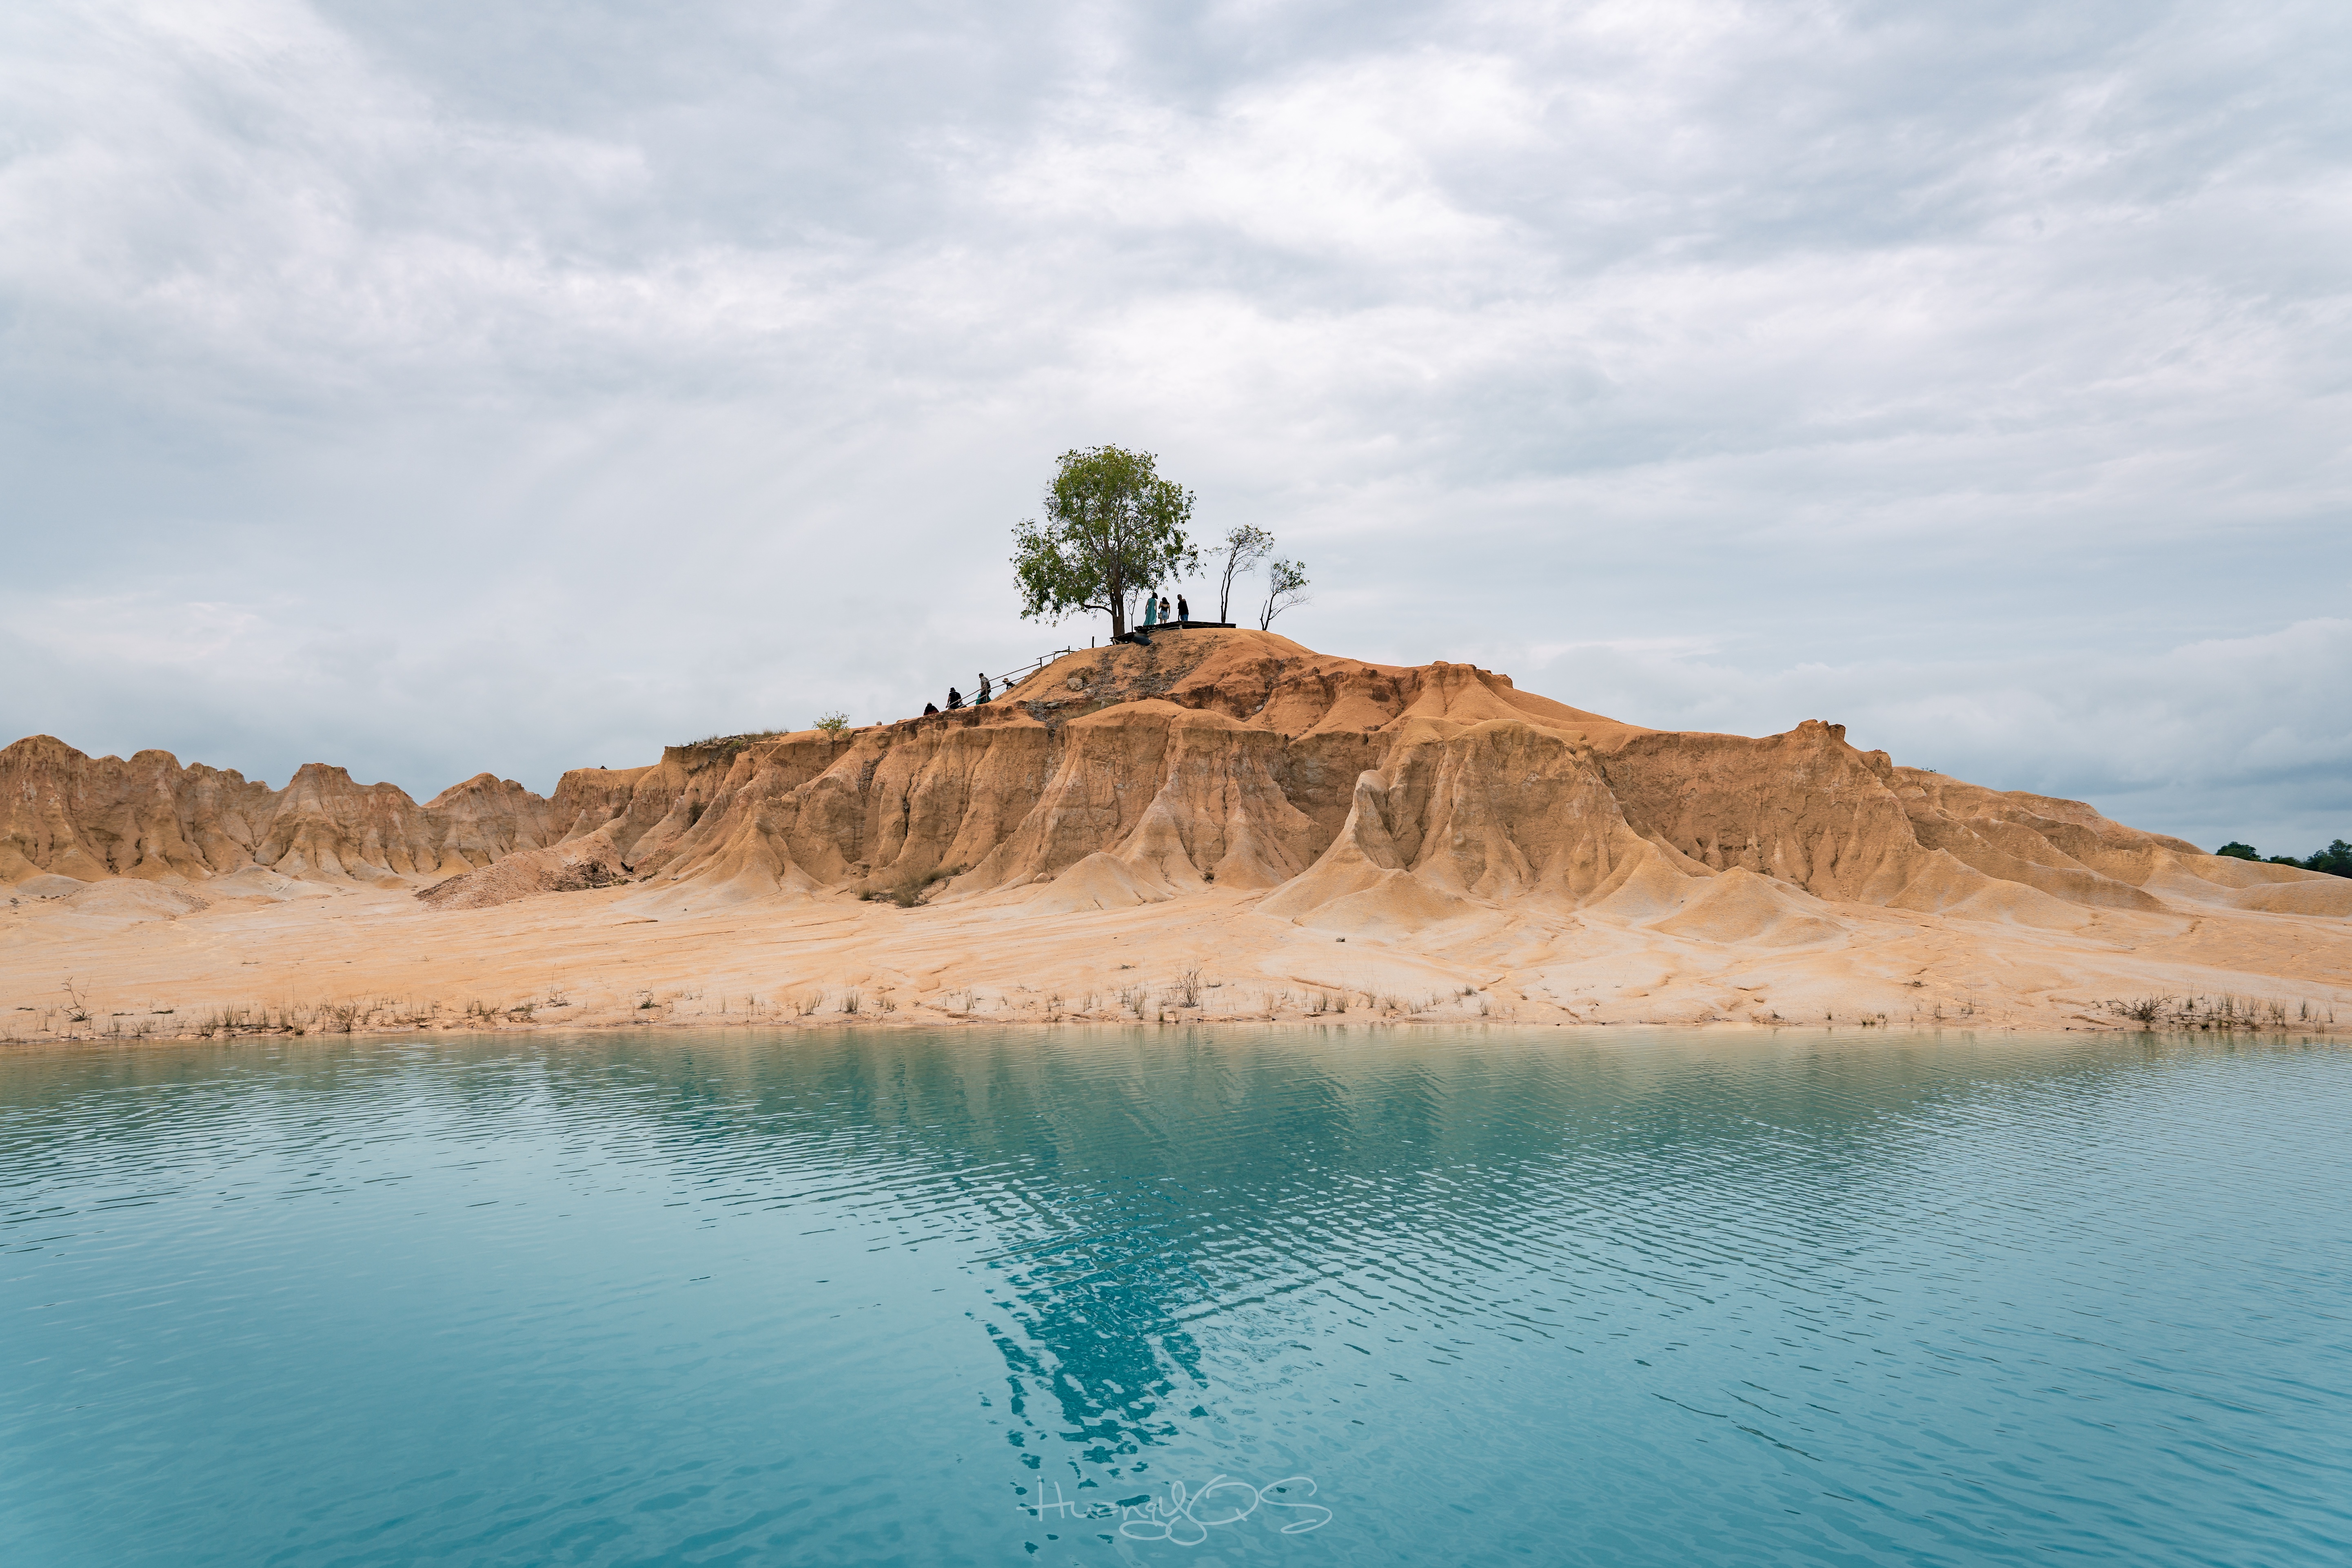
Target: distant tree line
x,y
2336,859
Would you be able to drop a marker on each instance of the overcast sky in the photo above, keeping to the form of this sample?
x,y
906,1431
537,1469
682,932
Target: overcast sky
x,y
439,386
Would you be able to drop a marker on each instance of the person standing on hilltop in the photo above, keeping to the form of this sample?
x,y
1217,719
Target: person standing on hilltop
x,y
955,700
982,699
1151,619
1184,610
1163,610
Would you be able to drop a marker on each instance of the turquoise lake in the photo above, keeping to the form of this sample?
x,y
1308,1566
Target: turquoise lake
x,y
1210,1296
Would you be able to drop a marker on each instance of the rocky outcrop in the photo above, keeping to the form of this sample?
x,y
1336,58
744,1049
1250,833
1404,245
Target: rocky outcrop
x,y
1355,797
65,814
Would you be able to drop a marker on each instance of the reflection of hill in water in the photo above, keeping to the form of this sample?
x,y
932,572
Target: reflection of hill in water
x,y
1152,1200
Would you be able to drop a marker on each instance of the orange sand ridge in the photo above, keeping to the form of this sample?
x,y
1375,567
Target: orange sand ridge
x,y
1225,826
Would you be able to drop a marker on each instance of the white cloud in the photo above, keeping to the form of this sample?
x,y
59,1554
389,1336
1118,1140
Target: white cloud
x,y
479,393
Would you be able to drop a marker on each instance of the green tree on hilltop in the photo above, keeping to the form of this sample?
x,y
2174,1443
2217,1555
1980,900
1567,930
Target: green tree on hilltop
x,y
1113,527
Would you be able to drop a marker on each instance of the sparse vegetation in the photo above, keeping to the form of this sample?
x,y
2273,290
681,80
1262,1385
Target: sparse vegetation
x,y
726,746
833,723
906,886
1188,988
2216,1015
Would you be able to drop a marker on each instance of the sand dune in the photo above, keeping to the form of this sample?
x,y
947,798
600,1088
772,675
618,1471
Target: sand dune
x,y
1224,825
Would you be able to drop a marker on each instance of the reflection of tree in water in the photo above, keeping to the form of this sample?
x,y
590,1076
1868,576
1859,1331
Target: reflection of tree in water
x,y
1152,1205
1095,1325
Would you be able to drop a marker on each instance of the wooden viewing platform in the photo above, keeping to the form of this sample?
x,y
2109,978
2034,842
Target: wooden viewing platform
x,y
1176,627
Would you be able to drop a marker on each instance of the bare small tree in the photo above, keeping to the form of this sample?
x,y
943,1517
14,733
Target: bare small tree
x,y
1244,547
1285,585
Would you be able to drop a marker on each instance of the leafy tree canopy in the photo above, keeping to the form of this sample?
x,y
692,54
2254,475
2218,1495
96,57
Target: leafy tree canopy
x,y
1112,527
2237,851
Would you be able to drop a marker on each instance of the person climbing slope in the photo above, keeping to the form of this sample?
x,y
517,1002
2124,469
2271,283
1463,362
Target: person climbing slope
x,y
982,699
955,700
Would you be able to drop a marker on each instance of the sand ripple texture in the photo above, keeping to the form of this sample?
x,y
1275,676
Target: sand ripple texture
x,y
1187,1296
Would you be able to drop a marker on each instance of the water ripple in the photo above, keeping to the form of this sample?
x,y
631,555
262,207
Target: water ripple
x,y
1467,1297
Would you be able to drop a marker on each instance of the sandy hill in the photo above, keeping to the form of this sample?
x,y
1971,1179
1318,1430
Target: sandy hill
x,y
1224,806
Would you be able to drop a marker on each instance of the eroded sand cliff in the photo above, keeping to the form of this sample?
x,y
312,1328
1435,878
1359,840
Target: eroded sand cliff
x,y
1224,825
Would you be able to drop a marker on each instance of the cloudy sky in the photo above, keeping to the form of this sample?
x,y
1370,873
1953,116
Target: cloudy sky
x,y
443,387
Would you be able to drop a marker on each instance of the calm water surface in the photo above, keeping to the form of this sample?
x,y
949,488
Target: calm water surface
x,y
1345,1296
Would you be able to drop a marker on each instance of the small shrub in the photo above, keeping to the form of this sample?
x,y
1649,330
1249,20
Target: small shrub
x,y
1134,998
834,723
850,1000
1188,988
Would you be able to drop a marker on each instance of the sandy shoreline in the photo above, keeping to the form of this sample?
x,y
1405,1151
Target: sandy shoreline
x,y
355,958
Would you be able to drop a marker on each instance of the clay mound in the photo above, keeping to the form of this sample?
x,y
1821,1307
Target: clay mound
x,y
41,885
1743,907
1650,883
131,900
256,885
1397,905
566,869
1099,881
2322,895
